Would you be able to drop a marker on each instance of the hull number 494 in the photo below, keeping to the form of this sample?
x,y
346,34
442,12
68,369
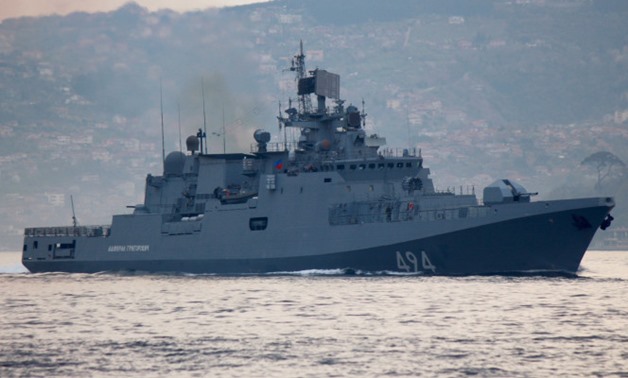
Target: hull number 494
x,y
408,262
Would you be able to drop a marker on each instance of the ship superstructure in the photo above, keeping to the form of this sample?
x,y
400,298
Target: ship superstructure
x,y
334,199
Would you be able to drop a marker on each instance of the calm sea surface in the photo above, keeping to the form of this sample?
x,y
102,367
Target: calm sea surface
x,y
315,324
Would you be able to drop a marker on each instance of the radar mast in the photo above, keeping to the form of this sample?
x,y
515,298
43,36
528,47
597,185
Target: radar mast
x,y
298,65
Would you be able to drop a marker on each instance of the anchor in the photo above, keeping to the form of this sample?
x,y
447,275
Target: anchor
x,y
606,223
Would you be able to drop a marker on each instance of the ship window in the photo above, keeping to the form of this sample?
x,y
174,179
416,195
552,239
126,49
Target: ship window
x,y
380,166
50,247
258,224
399,165
371,166
408,165
352,166
340,167
348,188
391,165
35,244
327,179
362,167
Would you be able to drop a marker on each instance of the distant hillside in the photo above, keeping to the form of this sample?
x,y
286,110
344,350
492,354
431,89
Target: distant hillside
x,y
535,61
330,12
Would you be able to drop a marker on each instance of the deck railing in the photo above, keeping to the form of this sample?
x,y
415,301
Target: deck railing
x,y
400,212
85,231
335,155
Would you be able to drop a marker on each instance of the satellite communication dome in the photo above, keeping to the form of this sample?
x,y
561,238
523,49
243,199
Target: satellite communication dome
x,y
174,163
192,143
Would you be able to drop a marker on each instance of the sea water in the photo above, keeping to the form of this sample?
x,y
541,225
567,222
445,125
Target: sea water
x,y
315,324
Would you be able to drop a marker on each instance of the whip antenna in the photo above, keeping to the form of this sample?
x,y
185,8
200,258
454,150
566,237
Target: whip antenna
x,y
74,222
224,136
161,104
179,110
204,116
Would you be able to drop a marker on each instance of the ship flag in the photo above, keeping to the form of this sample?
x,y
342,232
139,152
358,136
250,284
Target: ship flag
x,y
279,165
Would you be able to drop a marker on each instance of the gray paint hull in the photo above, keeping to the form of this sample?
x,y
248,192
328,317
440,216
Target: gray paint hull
x,y
545,243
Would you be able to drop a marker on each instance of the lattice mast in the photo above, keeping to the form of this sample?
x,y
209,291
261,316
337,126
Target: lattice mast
x,y
298,65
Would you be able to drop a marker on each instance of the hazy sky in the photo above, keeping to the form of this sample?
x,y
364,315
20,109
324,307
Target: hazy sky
x,y
17,8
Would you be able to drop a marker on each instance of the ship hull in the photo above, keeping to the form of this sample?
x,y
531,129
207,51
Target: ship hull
x,y
547,243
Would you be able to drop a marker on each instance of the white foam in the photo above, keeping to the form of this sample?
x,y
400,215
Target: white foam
x,y
313,272
344,272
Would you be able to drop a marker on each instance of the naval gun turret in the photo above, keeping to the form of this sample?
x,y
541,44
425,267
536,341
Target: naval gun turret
x,y
506,191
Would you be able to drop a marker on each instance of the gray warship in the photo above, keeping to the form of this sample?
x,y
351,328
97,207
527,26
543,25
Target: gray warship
x,y
335,199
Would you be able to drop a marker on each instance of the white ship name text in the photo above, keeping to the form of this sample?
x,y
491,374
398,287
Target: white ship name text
x,y
129,248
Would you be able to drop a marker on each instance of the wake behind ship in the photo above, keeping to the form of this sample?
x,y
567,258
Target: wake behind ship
x,y
335,199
